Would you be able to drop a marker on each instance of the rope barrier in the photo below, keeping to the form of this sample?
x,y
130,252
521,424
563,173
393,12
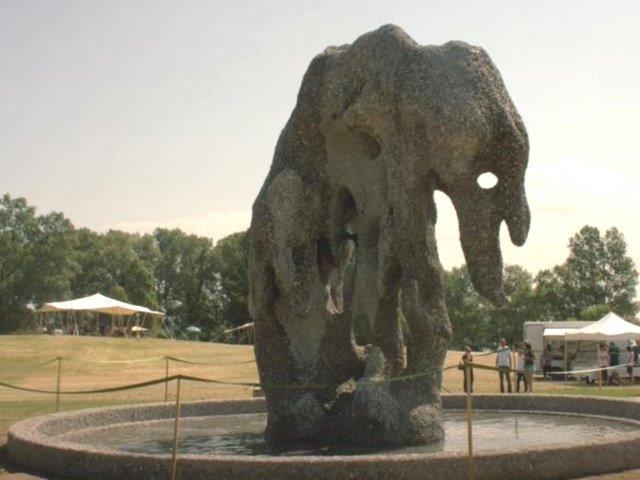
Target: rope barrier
x,y
191,362
144,360
221,382
108,362
600,369
265,386
84,392
591,370
167,357
48,362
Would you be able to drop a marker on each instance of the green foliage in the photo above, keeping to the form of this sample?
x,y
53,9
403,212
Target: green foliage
x,y
230,263
595,312
36,259
597,277
43,257
467,311
598,274
475,321
186,283
109,264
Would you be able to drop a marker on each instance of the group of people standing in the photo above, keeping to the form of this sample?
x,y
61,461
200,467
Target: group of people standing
x,y
504,362
609,356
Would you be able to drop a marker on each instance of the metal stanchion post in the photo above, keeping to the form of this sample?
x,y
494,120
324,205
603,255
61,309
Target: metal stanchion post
x,y
58,384
174,459
166,376
566,363
514,366
472,468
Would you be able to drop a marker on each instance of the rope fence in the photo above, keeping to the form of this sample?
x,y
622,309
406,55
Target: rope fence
x,y
178,378
265,386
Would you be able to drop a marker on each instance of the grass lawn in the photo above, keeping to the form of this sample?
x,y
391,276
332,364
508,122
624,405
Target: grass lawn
x,y
20,356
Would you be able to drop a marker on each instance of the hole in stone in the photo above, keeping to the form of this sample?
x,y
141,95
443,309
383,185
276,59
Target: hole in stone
x,y
487,180
325,259
348,214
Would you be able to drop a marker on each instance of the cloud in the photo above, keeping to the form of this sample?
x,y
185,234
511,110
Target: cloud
x,y
215,225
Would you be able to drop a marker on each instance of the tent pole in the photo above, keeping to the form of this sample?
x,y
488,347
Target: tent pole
x,y
566,360
124,330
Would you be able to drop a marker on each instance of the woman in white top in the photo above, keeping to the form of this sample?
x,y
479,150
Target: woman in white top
x,y
630,361
603,361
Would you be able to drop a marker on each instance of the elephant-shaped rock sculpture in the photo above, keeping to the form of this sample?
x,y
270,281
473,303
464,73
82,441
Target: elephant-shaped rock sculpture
x,y
343,231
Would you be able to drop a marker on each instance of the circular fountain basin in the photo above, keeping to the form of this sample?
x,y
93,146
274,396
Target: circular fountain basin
x,y
525,437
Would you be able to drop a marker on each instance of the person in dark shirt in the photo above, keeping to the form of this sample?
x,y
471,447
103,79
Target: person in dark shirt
x,y
545,362
614,354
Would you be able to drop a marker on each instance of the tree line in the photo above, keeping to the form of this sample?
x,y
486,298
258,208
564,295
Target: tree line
x,y
45,258
197,282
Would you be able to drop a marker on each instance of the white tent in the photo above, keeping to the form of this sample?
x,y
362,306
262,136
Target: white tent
x,y
558,332
98,303
610,327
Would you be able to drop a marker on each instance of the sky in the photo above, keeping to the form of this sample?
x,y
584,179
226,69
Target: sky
x,y
138,114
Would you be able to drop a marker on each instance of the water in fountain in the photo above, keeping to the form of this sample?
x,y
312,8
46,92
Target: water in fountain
x,y
243,435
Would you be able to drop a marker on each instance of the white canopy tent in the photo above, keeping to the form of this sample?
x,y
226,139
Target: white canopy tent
x,y
609,328
558,332
100,304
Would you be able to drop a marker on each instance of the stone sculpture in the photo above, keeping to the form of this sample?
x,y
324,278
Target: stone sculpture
x,y
343,231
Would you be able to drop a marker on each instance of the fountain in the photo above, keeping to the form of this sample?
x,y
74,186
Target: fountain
x,y
343,231
526,437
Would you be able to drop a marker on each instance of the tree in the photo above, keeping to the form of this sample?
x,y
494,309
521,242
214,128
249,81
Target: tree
x,y
599,272
109,264
477,322
230,263
36,259
549,299
466,308
187,286
507,321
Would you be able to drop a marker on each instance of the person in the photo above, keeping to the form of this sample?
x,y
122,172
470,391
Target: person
x,y
467,360
631,360
603,361
545,362
614,355
529,366
503,362
520,370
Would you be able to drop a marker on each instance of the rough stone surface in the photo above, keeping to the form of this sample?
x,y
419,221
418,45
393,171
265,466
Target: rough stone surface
x,y
40,445
379,125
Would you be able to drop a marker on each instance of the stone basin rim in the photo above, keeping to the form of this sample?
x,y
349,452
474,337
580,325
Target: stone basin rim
x,y
40,436
29,429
